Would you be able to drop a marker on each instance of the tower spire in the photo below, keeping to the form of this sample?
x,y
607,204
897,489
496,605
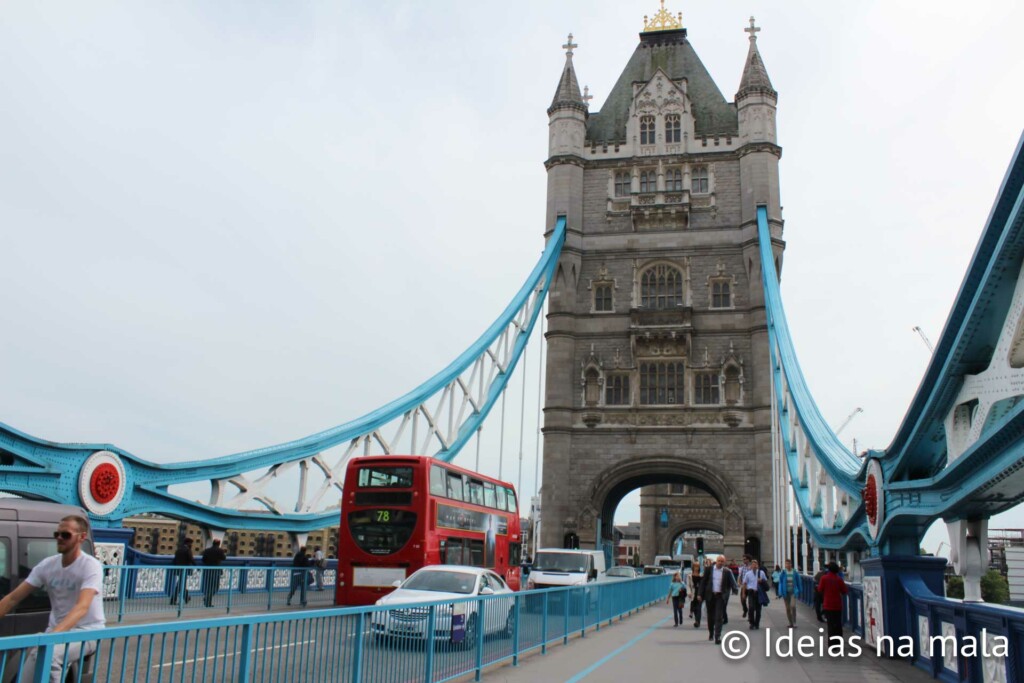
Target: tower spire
x,y
755,75
568,92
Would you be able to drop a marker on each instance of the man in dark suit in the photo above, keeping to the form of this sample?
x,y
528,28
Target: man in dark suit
x,y
715,586
182,558
212,557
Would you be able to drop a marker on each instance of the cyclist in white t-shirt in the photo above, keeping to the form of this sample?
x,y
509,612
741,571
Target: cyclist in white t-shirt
x,y
74,582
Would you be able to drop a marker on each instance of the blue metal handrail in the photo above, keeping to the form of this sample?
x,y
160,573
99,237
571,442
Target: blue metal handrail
x,y
359,644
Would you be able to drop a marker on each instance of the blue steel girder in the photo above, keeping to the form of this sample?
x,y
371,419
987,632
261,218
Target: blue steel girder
x,y
824,473
966,344
437,418
922,481
986,480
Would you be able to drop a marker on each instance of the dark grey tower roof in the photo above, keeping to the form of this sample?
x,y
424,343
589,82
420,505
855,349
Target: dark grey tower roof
x,y
568,92
755,76
671,52
568,87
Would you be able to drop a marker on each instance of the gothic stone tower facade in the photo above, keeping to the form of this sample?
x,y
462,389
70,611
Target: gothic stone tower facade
x,y
657,369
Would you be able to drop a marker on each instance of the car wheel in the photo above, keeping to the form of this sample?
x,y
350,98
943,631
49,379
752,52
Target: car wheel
x,y
470,638
510,624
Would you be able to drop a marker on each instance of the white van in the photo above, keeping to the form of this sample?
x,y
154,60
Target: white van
x,y
553,567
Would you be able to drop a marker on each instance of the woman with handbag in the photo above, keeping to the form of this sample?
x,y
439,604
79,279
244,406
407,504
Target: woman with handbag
x,y
677,596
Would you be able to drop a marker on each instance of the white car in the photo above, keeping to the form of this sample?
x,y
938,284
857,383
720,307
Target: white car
x,y
445,582
619,573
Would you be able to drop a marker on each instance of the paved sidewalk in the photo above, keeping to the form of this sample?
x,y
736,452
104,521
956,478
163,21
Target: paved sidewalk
x,y
646,648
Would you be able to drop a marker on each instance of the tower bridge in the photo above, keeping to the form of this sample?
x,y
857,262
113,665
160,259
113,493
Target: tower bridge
x,y
669,366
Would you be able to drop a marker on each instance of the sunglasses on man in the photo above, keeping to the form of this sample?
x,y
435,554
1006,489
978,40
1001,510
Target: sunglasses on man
x,y
63,535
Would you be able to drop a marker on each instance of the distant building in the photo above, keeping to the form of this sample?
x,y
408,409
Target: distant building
x,y
159,535
998,542
627,542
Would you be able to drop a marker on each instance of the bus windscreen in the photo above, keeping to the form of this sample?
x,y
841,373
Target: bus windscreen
x,y
381,531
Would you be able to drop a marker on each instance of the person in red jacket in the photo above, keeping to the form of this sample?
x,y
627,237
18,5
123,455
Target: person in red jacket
x,y
832,589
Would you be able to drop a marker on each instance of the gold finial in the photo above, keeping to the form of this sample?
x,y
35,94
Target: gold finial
x,y
663,20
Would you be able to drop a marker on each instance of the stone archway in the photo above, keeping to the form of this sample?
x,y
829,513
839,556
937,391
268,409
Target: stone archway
x,y
666,536
594,519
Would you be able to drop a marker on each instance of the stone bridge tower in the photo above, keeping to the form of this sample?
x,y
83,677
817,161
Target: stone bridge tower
x,y
657,366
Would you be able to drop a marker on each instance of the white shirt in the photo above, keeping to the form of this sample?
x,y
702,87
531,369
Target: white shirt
x,y
716,579
750,578
318,557
63,584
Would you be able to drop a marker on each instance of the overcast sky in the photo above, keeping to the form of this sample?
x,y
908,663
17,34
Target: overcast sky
x,y
229,224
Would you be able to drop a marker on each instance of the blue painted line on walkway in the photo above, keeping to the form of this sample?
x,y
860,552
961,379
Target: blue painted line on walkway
x,y
614,653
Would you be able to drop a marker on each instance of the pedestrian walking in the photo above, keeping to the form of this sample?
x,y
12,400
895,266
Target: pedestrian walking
x,y
775,579
817,594
300,576
755,581
832,589
319,565
743,569
716,585
179,577
212,557
677,596
789,590
695,605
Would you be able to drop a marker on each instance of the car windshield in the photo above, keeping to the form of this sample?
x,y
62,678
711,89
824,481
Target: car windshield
x,y
560,562
442,582
620,571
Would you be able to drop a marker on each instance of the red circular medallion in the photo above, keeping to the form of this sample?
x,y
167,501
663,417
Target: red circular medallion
x,y
104,483
871,500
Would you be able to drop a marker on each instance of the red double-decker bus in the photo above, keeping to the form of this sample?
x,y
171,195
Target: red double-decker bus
x,y
403,512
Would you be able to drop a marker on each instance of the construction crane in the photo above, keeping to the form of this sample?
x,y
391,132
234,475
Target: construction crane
x,y
924,339
848,419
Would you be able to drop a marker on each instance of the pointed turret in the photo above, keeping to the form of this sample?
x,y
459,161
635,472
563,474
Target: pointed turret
x,y
756,99
755,76
568,92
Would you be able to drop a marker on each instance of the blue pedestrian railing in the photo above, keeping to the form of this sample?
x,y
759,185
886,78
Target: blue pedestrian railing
x,y
424,641
964,641
164,589
853,602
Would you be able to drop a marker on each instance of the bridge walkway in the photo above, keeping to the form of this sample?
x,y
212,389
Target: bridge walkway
x,y
646,648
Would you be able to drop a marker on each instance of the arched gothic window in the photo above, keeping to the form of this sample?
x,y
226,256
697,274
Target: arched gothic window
x,y
699,180
721,296
674,180
661,286
622,184
672,128
646,130
648,181
616,390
